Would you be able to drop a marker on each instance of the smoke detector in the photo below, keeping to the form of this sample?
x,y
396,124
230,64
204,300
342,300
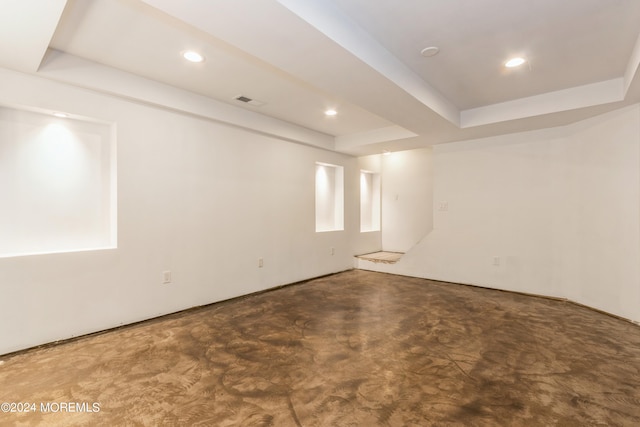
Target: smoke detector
x,y
430,51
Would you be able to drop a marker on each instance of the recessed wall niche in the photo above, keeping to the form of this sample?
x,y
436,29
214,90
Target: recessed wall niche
x,y
369,201
329,197
57,184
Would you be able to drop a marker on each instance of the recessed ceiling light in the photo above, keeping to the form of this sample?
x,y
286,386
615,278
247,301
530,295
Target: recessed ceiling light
x,y
514,62
429,51
330,113
61,115
192,56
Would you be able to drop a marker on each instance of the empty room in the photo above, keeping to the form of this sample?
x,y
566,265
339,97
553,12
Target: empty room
x,y
320,213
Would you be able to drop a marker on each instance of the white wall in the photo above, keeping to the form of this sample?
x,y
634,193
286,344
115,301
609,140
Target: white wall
x,y
407,201
557,210
202,199
602,260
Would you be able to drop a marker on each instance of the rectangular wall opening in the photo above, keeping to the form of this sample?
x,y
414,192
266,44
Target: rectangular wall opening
x,y
57,184
329,197
369,201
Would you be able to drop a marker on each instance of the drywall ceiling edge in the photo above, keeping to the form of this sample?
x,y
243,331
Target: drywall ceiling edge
x,y
26,29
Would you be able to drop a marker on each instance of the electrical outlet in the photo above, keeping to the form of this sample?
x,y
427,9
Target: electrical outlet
x,y
166,277
496,261
260,263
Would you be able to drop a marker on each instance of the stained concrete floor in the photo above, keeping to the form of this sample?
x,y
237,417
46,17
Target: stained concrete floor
x,y
353,349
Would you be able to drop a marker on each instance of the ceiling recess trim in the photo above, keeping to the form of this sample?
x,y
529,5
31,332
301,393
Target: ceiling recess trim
x,y
26,29
632,66
552,102
72,70
327,18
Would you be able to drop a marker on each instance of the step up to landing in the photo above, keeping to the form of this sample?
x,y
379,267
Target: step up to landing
x,y
382,257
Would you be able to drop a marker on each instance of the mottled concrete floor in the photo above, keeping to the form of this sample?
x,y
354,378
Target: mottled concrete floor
x,y
353,349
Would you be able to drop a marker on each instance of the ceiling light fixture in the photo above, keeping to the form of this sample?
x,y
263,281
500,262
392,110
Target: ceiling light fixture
x,y
330,113
61,115
192,56
514,62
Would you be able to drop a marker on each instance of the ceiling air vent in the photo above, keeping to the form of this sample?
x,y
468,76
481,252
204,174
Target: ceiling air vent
x,y
248,100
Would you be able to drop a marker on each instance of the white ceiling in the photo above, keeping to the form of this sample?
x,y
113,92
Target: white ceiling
x,y
361,57
568,43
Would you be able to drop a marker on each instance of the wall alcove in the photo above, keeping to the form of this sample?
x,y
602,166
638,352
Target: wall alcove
x,y
57,184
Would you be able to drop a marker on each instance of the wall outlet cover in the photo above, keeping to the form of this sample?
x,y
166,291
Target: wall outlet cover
x,y
166,276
